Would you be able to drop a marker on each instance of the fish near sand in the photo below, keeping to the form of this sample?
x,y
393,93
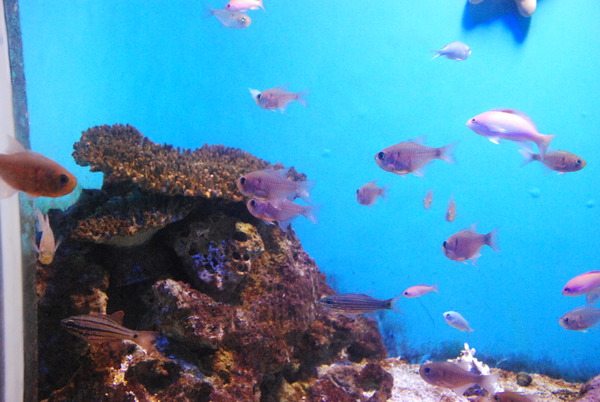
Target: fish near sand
x,y
277,98
411,156
465,245
509,396
102,328
244,5
352,304
32,173
419,290
231,19
450,375
368,193
580,319
47,246
560,161
582,284
455,51
509,124
457,321
271,184
451,210
428,200
283,212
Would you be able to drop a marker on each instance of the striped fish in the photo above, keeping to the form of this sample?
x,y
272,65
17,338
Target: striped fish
x,y
102,328
355,303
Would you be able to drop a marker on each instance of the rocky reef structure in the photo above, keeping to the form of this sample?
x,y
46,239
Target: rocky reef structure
x,y
169,241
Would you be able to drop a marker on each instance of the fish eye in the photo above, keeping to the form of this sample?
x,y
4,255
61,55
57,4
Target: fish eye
x,y
496,398
328,301
357,191
473,120
568,290
63,179
381,155
445,244
427,370
578,162
258,96
253,203
242,180
243,19
566,319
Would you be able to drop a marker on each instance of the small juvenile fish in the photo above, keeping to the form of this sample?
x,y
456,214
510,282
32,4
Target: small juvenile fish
x,y
270,184
232,19
244,5
411,156
277,98
419,290
457,321
454,51
450,375
451,210
47,246
509,124
560,161
591,298
368,193
581,284
104,328
509,396
580,319
466,244
356,303
32,173
283,212
428,200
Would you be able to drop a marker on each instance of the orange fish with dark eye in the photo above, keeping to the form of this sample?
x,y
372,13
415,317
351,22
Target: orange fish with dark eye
x,y
32,173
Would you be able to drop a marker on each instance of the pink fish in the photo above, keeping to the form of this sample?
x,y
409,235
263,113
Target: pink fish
x,y
466,244
581,284
451,211
509,124
283,213
277,98
244,5
368,193
419,290
271,184
411,156
428,200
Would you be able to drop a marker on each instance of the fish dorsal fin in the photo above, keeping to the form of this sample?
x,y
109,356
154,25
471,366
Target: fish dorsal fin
x,y
11,145
117,317
419,141
517,113
473,228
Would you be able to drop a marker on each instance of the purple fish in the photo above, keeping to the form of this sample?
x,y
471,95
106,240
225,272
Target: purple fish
x,y
581,284
455,51
271,184
283,212
411,156
368,193
466,244
580,319
277,98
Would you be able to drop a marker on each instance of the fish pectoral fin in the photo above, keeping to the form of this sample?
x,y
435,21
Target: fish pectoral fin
x,y
495,140
6,190
462,389
474,259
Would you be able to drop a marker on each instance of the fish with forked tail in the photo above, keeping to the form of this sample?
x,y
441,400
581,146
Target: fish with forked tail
x,y
465,245
411,156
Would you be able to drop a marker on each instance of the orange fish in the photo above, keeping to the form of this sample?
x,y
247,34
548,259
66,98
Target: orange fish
x,y
32,173
451,211
428,200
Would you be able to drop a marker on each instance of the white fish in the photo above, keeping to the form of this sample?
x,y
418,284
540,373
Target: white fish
x,y
231,19
457,321
47,246
455,51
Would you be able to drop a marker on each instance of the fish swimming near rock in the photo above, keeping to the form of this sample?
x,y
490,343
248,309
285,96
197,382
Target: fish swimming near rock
x,y
32,173
560,161
271,184
465,245
509,124
457,321
282,212
582,284
455,51
244,5
450,375
411,156
509,396
368,193
580,319
356,303
277,98
102,328
451,210
47,247
419,290
231,19
428,200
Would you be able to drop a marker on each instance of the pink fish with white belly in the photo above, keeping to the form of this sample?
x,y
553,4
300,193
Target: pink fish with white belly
x,y
277,98
455,51
419,290
560,161
271,184
582,284
244,5
411,156
580,319
465,245
282,213
509,124
368,193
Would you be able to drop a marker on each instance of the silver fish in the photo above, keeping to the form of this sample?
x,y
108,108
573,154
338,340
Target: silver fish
x,y
411,156
454,51
356,303
580,319
457,321
271,184
282,211
232,19
277,98
450,375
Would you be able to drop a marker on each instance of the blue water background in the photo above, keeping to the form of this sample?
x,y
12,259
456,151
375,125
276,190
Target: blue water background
x,y
183,79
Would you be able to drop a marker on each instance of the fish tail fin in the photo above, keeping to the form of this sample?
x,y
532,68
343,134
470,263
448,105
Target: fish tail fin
x,y
310,213
146,340
488,382
491,239
384,192
447,153
395,304
208,12
301,98
303,190
544,144
435,288
527,155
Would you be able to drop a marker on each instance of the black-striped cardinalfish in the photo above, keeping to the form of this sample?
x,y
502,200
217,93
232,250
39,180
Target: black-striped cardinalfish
x,y
271,184
352,304
465,245
452,376
32,173
47,246
411,157
102,328
282,212
277,98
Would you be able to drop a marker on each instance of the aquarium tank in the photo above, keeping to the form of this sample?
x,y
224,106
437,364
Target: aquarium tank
x,y
227,200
